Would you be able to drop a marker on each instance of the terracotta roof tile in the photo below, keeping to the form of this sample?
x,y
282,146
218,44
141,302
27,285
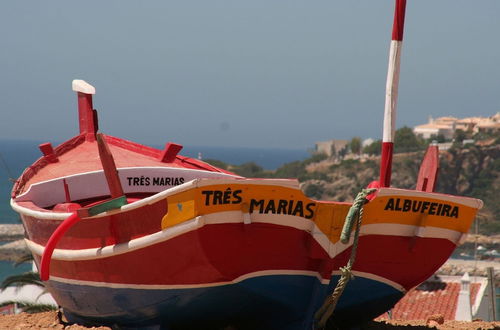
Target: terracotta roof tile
x,y
430,298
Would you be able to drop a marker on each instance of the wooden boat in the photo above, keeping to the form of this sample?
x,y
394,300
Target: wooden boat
x,y
133,236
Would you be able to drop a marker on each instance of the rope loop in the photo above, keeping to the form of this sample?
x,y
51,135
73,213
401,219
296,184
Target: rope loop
x,y
355,215
346,273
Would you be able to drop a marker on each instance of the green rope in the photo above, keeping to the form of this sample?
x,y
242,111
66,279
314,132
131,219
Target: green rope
x,y
355,214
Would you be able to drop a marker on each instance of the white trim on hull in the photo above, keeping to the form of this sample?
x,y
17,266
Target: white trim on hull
x,y
239,279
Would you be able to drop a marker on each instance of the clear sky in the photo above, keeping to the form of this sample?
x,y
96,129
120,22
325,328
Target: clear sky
x,y
242,73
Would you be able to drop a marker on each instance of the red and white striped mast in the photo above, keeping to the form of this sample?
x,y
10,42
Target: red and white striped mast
x,y
391,94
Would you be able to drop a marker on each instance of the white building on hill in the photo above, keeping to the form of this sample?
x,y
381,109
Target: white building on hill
x,y
446,126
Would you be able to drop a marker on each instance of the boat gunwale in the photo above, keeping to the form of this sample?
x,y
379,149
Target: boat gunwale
x,y
201,182
131,146
42,162
22,197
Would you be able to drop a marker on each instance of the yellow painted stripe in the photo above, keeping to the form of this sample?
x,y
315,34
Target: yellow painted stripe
x,y
328,216
412,211
233,197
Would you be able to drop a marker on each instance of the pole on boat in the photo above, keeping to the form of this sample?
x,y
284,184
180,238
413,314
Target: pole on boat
x,y
87,116
391,94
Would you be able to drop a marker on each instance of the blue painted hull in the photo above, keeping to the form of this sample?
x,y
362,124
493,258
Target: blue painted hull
x,y
265,302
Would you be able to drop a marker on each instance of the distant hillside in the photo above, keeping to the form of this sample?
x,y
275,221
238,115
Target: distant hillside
x,y
470,171
466,170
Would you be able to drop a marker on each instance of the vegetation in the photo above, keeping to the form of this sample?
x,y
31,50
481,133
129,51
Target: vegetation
x,y
481,136
249,170
460,136
31,308
217,163
296,169
20,280
355,145
314,190
406,141
374,148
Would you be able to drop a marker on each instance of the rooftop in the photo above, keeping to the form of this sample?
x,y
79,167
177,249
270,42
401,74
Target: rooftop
x,y
436,296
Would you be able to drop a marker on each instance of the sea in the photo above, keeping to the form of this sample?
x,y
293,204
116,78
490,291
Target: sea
x,y
16,155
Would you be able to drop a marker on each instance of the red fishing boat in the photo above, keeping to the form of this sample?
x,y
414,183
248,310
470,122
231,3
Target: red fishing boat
x,y
129,235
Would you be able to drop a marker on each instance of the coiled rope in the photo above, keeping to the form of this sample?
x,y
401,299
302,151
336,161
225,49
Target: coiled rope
x,y
355,214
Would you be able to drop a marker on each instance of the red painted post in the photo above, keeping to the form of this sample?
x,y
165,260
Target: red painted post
x,y
86,117
48,152
110,171
429,169
66,191
386,164
169,152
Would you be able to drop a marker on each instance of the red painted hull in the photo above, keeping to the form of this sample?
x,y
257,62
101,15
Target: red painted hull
x,y
220,254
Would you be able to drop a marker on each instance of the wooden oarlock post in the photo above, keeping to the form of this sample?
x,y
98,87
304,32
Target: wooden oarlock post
x,y
118,198
109,166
